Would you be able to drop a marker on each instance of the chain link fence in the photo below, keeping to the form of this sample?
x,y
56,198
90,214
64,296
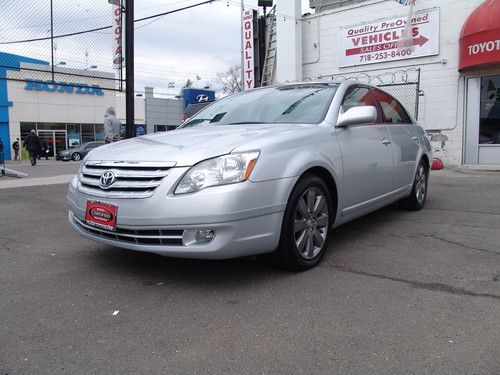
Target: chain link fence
x,y
402,84
60,44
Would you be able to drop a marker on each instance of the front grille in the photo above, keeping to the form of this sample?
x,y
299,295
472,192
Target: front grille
x,y
133,180
155,237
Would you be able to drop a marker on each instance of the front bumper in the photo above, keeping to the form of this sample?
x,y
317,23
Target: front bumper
x,y
63,157
246,218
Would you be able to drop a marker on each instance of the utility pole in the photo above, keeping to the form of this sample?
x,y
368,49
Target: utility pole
x,y
129,66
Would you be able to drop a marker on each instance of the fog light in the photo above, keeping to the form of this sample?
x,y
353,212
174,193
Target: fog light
x,y
197,236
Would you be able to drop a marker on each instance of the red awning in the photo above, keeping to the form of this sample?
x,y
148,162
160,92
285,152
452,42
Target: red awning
x,y
480,36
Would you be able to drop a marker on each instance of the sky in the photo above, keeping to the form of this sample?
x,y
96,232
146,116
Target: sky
x,y
198,42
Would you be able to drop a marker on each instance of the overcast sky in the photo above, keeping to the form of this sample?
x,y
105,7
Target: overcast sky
x,y
200,41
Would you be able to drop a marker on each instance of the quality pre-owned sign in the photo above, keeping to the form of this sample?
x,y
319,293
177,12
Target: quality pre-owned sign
x,y
377,41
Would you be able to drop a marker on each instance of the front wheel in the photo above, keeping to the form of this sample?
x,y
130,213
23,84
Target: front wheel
x,y
76,156
418,195
306,225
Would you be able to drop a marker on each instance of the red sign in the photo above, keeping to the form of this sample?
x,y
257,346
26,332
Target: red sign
x,y
480,48
101,215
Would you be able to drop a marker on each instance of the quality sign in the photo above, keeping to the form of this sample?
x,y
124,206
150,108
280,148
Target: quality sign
x,y
377,41
248,62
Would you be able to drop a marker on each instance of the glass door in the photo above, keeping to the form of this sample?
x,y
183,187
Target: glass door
x,y
53,141
489,121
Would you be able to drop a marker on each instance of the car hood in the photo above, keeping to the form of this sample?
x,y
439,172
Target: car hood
x,y
189,146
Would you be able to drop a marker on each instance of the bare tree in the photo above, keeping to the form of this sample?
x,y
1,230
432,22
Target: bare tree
x,y
229,81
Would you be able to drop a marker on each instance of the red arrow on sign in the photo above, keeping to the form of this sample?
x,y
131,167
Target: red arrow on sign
x,y
420,41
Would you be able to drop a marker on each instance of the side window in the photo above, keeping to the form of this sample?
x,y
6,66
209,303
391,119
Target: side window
x,y
393,111
357,97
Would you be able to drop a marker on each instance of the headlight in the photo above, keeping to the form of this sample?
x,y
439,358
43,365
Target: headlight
x,y
227,169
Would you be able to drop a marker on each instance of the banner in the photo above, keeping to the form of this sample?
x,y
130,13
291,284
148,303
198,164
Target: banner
x,y
248,63
377,42
117,34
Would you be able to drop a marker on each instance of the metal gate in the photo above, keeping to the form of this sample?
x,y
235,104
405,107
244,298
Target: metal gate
x,y
404,85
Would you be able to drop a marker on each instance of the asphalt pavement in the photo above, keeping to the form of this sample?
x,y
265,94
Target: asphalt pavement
x,y
398,293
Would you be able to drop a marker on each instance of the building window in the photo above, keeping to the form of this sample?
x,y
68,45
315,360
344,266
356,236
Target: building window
x,y
88,133
489,122
99,132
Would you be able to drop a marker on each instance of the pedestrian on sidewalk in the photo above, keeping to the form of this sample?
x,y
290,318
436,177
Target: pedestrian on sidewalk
x,y
32,144
16,147
112,126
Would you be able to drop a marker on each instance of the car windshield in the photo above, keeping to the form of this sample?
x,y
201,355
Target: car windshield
x,y
300,104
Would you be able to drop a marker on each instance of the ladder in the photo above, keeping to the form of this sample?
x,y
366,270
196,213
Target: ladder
x,y
269,70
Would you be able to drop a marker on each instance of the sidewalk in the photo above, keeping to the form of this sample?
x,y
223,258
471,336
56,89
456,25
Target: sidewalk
x,y
45,172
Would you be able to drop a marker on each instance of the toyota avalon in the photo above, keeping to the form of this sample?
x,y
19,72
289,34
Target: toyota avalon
x,y
270,170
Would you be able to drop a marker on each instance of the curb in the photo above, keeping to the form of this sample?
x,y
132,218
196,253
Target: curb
x,y
28,182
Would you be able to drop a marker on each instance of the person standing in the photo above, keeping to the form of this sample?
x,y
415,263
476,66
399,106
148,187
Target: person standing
x,y
15,147
45,149
112,126
32,144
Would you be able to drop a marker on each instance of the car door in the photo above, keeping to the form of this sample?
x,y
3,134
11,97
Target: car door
x,y
404,136
366,156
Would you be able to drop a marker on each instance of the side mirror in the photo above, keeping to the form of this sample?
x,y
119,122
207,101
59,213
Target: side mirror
x,y
366,114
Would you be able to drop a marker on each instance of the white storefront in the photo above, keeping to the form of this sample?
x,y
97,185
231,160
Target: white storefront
x,y
62,115
355,38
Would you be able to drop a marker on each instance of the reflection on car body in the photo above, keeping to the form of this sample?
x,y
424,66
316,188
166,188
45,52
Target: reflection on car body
x,y
269,170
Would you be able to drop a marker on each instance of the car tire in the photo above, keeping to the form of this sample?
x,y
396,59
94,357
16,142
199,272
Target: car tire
x,y
416,199
76,156
306,225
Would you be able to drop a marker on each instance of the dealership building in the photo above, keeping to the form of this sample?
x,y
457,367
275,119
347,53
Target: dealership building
x,y
70,110
453,67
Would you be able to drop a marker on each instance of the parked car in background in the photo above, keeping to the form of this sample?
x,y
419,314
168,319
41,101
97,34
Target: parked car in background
x,y
269,170
78,152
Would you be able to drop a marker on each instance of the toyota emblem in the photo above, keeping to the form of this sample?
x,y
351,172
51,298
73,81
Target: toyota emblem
x,y
107,179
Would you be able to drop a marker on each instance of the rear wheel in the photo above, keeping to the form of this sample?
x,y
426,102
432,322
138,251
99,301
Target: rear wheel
x,y
306,225
76,156
418,195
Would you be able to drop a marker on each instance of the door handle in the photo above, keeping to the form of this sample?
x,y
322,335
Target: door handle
x,y
415,139
386,142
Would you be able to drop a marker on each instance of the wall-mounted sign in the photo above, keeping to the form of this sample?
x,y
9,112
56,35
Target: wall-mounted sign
x,y
51,86
248,65
376,42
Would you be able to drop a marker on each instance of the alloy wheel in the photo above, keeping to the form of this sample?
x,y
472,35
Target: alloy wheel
x,y
311,223
420,184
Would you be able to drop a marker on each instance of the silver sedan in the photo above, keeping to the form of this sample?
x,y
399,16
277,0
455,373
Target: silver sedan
x,y
270,170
